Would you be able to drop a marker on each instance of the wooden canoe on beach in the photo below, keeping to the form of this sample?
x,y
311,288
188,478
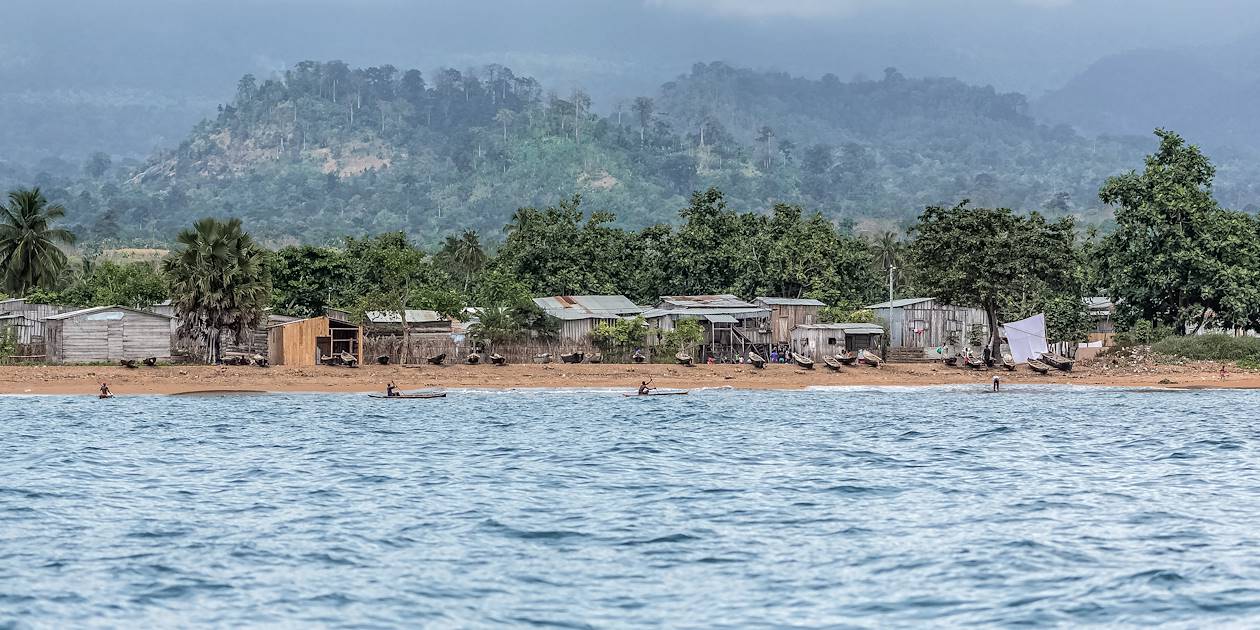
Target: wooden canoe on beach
x,y
410,396
1057,361
1038,366
832,363
803,361
847,358
756,360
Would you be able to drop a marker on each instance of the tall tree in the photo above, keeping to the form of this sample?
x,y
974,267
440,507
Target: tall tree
x,y
1176,257
29,252
644,107
979,256
219,283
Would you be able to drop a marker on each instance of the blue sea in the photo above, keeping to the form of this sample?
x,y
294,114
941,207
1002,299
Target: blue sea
x,y
877,508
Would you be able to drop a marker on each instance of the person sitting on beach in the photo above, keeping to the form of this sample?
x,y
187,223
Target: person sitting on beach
x,y
105,393
644,389
391,390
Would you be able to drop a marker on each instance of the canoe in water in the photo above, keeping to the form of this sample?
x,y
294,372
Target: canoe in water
x,y
672,392
409,396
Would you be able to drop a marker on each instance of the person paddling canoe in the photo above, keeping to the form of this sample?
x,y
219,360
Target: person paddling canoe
x,y
644,388
391,390
105,393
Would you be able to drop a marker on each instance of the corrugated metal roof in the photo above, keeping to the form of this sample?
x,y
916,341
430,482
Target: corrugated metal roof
x,y
724,300
721,319
572,307
899,303
99,309
848,328
782,301
738,313
414,316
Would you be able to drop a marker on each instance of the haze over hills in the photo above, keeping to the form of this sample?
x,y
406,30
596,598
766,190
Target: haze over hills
x,y
129,76
329,150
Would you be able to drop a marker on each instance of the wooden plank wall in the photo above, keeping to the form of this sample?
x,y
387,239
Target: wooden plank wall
x,y
295,343
88,340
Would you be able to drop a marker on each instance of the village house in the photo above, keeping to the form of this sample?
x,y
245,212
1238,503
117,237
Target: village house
x,y
922,325
580,314
1103,313
788,313
307,342
25,320
107,334
732,327
819,340
419,321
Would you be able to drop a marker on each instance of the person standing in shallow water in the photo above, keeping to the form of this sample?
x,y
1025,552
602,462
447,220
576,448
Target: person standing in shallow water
x,y
997,382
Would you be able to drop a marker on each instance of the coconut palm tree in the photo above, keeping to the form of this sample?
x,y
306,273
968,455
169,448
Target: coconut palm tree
x,y
219,283
887,248
464,255
29,254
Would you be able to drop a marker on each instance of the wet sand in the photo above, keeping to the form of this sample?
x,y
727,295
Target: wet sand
x,y
85,380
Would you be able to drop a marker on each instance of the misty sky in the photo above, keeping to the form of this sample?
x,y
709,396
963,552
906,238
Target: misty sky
x,y
614,47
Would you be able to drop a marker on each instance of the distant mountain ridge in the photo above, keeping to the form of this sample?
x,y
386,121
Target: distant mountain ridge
x,y
327,150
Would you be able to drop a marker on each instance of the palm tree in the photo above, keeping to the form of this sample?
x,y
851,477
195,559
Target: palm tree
x,y
887,249
29,255
219,282
464,255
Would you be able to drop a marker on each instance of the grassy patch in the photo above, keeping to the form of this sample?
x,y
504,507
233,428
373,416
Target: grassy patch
x,y
1211,348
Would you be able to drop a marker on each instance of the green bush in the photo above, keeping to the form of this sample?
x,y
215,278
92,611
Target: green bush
x,y
1142,333
1211,348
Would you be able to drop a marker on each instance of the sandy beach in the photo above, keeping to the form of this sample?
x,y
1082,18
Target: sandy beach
x,y
84,380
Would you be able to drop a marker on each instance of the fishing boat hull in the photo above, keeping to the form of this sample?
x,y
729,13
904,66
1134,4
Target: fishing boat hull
x,y
683,359
869,359
976,364
668,393
437,360
573,357
1057,362
831,363
409,396
803,361
756,360
498,359
848,358
1038,367
473,359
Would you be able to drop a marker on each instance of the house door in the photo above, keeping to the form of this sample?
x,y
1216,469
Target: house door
x,y
114,341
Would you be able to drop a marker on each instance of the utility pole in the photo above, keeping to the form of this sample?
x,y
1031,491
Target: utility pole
x,y
891,269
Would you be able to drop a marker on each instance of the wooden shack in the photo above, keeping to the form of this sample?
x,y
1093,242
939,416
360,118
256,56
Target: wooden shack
x,y
580,314
926,324
788,313
819,340
107,334
307,341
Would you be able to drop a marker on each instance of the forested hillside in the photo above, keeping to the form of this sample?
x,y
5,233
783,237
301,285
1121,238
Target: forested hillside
x,y
328,150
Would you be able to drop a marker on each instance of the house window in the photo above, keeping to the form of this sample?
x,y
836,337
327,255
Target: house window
x,y
831,341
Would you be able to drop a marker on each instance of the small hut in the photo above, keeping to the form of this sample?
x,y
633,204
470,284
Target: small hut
x,y
107,334
308,341
788,313
819,340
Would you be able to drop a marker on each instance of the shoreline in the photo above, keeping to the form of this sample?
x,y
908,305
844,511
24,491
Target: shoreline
x,y
61,380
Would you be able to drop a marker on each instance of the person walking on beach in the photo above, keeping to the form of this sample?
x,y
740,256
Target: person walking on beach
x,y
1224,374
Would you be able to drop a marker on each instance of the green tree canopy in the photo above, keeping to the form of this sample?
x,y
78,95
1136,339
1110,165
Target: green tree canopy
x,y
981,257
29,252
1175,256
219,282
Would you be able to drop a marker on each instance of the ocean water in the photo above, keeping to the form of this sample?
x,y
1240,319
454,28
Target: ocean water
x,y
1039,506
